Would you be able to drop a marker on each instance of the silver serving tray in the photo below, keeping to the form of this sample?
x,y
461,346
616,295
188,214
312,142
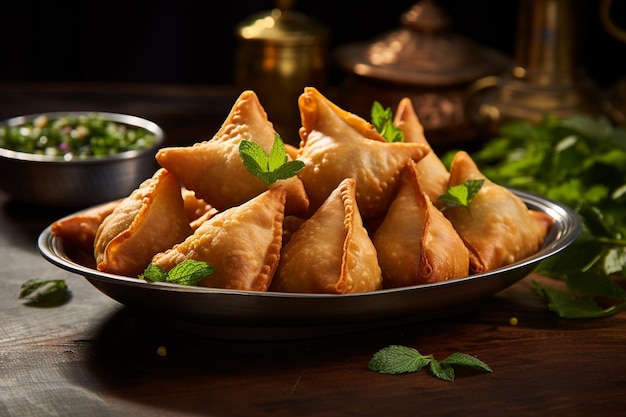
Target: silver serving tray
x,y
271,315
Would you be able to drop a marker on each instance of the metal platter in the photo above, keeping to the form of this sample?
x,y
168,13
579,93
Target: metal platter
x,y
271,315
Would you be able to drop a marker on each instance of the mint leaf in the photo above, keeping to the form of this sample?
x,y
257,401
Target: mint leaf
x,y
442,371
154,273
45,293
382,120
268,167
468,361
568,306
594,283
189,272
461,195
396,359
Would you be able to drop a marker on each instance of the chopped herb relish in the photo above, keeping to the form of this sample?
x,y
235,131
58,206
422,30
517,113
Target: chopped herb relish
x,y
77,136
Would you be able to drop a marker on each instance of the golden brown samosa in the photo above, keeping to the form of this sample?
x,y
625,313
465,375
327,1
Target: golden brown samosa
x,y
415,243
433,173
336,144
214,170
331,252
242,243
198,210
497,227
151,219
78,231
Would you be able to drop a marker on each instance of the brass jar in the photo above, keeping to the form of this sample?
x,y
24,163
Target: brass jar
x,y
280,52
422,60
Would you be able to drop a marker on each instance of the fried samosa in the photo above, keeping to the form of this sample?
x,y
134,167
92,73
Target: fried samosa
x,y
415,243
151,219
198,210
331,252
336,144
242,243
214,170
78,231
433,173
497,227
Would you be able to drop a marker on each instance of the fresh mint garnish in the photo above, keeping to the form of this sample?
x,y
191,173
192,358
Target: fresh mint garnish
x,y
45,293
382,120
188,272
268,167
397,359
461,195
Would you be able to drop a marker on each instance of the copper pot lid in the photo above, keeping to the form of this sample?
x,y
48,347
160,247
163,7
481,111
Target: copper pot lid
x,y
422,52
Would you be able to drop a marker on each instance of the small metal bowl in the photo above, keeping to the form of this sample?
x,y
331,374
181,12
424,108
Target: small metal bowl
x,y
54,181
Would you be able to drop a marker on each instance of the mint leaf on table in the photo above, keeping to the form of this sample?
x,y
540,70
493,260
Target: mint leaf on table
x,y
268,167
382,120
461,195
397,359
188,272
45,293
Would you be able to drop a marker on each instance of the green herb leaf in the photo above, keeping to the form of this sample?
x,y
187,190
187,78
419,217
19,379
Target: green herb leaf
x,y
268,167
188,272
568,306
442,371
154,273
397,359
461,195
382,120
468,361
45,293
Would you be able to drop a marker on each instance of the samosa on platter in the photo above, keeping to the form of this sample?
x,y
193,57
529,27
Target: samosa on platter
x,y
241,243
497,227
415,243
213,169
331,252
433,173
151,219
336,144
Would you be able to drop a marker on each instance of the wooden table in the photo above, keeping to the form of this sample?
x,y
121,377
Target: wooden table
x,y
94,357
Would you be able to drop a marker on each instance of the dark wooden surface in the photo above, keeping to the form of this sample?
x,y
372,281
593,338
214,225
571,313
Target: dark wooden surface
x,y
95,357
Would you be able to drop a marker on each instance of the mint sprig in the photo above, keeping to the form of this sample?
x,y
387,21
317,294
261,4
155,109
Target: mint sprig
x,y
45,293
382,120
268,167
397,359
461,195
188,272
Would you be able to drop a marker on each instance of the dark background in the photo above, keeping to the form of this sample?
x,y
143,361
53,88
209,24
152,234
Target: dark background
x,y
193,42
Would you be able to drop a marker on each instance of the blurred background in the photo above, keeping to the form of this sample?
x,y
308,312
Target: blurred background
x,y
193,42
170,61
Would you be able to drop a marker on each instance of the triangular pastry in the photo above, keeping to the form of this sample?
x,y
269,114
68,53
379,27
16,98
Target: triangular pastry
x,y
242,243
78,231
336,144
331,252
433,173
214,170
151,219
497,227
415,243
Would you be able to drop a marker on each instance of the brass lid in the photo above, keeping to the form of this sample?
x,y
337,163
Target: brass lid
x,y
422,52
282,25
